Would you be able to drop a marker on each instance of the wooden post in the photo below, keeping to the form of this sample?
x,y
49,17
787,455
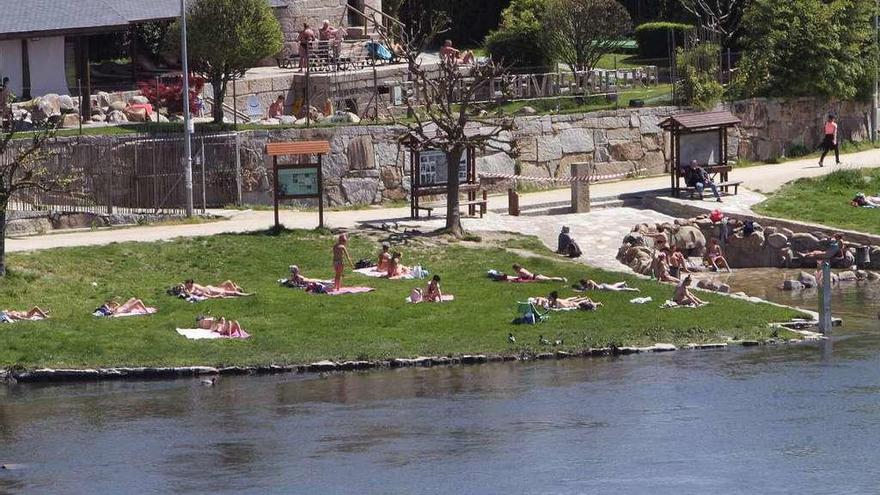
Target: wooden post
x,y
275,191
512,202
580,189
320,191
825,320
85,97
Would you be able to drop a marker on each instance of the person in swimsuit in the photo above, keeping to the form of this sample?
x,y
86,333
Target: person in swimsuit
x,y
226,289
306,37
451,55
678,261
523,274
132,306
433,292
227,328
661,269
684,297
617,287
830,142
715,256
340,254
384,258
34,314
553,301
396,268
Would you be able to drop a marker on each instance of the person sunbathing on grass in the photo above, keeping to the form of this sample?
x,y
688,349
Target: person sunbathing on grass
x,y
297,279
616,287
227,328
523,274
384,259
715,257
34,314
133,306
226,289
553,301
433,292
684,297
396,269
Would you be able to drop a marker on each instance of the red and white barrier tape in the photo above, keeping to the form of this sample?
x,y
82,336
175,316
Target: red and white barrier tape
x,y
526,178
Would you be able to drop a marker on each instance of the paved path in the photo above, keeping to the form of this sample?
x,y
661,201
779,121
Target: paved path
x,y
766,178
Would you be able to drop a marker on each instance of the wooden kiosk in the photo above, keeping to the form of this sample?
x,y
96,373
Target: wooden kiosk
x,y
303,179
428,177
701,137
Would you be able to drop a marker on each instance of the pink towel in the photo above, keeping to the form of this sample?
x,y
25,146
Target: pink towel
x,y
350,290
444,298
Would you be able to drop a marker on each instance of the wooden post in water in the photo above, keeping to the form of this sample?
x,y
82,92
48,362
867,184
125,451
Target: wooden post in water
x,y
825,320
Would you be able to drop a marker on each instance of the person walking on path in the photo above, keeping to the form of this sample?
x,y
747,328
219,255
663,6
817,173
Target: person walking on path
x,y
830,142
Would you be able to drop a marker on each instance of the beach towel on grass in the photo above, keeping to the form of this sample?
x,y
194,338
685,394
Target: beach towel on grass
x,y
532,300
675,305
641,300
372,272
349,290
149,311
206,334
444,298
417,272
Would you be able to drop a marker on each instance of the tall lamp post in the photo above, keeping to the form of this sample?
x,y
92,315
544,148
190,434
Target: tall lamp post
x,y
874,119
187,118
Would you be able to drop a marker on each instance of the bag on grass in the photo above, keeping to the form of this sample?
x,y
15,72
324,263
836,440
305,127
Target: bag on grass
x,y
364,263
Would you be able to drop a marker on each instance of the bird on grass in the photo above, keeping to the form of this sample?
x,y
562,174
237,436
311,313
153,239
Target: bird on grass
x,y
209,382
542,340
511,338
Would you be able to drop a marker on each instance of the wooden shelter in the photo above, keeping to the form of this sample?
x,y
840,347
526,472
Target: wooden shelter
x,y
300,180
700,137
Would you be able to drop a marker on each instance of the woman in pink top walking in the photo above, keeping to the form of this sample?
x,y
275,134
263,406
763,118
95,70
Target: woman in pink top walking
x,y
830,141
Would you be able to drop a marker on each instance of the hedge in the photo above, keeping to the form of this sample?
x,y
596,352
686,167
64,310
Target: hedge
x,y
653,38
519,48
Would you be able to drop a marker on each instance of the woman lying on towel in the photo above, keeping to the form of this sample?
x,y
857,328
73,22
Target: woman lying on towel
x,y
226,289
296,279
131,307
222,326
553,301
396,268
592,285
523,275
34,314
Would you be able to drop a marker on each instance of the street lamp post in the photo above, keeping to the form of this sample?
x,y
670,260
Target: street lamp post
x,y
187,118
874,116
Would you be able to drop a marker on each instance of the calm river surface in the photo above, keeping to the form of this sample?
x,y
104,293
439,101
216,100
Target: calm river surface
x,y
783,419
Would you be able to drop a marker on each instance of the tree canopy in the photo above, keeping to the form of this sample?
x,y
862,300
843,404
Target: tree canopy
x,y
579,32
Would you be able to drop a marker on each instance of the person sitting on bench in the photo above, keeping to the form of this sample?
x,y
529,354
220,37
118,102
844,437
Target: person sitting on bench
x,y
696,176
684,297
34,314
523,274
226,289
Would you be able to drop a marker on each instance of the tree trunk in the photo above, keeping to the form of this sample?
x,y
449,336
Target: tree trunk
x,y
453,213
219,87
3,239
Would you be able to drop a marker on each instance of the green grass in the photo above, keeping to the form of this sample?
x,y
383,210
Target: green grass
x,y
622,61
653,96
826,200
291,326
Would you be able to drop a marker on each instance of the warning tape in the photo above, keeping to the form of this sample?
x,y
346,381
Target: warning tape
x,y
587,178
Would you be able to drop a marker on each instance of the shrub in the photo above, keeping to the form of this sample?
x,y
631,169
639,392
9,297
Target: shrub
x,y
653,37
698,70
169,95
519,47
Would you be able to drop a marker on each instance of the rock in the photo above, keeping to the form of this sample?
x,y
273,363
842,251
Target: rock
x,y
361,155
792,285
70,121
117,117
99,117
117,105
576,140
286,120
786,232
66,103
360,191
724,288
777,241
345,118
808,280
157,117
136,114
138,100
688,238
803,243
771,230
527,110
873,276
847,276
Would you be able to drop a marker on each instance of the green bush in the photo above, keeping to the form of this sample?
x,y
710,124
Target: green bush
x,y
698,70
653,37
520,47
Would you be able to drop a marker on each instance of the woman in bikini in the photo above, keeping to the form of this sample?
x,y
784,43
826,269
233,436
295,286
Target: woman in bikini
x,y
553,301
384,259
616,287
715,256
395,268
296,278
132,306
684,297
34,314
226,289
227,328
433,292
340,254
523,274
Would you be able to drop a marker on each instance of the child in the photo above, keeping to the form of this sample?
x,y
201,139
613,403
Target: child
x,y
715,256
340,254
384,259
433,292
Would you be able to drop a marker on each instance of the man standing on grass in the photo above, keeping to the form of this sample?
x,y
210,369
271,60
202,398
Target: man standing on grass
x,y
830,141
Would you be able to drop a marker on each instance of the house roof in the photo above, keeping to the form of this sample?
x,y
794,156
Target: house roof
x,y
31,18
702,120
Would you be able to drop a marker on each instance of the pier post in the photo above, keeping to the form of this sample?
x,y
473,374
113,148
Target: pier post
x,y
580,189
825,321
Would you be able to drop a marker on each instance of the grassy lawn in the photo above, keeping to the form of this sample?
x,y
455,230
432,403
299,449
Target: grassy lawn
x,y
653,96
291,326
829,199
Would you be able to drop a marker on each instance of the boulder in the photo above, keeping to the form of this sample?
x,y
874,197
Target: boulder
x,y
66,103
70,121
808,280
847,276
117,117
527,110
688,238
724,288
117,105
786,232
136,114
792,285
99,117
138,100
287,120
873,276
777,241
803,243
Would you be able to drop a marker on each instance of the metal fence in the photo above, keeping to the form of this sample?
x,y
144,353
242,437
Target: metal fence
x,y
137,175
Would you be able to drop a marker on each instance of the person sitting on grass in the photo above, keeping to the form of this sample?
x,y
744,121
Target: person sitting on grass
x,y
384,258
224,290
677,262
222,326
133,306
661,269
433,292
523,275
340,254
862,201
684,297
34,314
567,246
585,284
396,268
715,257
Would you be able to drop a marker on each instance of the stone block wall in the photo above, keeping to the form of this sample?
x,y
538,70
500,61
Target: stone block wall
x,y
314,12
772,127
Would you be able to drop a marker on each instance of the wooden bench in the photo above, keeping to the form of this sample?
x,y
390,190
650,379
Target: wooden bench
x,y
472,202
723,186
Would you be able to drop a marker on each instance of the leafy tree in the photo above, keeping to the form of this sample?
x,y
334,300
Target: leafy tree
x,y
226,38
24,169
519,40
579,32
698,69
808,48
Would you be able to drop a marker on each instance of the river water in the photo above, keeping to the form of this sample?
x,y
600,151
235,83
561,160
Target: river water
x,y
777,419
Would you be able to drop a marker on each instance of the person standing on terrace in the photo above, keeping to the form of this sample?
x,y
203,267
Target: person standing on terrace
x,y
306,37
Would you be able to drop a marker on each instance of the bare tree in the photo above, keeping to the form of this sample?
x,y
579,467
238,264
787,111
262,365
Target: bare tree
x,y
443,107
23,169
580,32
721,16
